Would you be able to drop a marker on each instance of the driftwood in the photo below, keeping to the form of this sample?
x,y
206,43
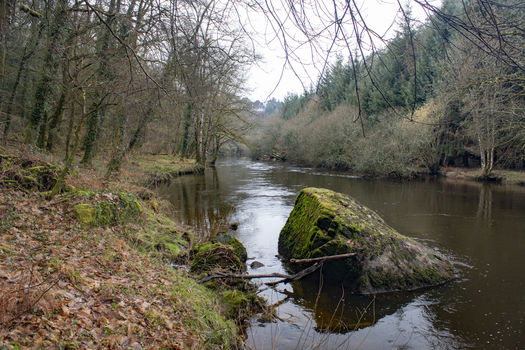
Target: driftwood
x,y
285,278
298,275
238,275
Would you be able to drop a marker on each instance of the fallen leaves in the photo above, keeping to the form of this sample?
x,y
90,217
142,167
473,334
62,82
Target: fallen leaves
x,y
61,286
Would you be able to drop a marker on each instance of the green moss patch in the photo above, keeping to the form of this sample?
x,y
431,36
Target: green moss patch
x,y
216,257
107,209
86,213
156,169
200,314
27,174
161,237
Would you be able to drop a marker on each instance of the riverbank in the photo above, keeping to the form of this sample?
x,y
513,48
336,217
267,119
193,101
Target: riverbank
x,y
501,176
150,170
92,267
507,177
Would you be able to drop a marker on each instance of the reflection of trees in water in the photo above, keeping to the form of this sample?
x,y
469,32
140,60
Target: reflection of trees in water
x,y
335,310
395,317
200,204
485,203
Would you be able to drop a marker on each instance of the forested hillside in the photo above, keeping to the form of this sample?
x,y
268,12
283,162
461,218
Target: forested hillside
x,y
433,96
83,79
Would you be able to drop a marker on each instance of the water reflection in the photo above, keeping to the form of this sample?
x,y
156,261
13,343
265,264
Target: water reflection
x,y
198,203
485,203
482,228
402,324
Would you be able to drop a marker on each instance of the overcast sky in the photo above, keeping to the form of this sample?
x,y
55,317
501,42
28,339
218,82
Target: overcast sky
x,y
264,78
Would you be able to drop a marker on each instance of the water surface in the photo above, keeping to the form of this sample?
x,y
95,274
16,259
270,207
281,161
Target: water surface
x,y
480,227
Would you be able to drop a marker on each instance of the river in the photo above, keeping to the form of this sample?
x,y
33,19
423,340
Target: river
x,y
480,227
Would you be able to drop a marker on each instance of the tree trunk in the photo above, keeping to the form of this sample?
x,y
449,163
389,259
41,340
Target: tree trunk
x,y
138,135
69,161
103,73
70,129
186,130
92,133
56,119
29,50
216,148
43,89
119,149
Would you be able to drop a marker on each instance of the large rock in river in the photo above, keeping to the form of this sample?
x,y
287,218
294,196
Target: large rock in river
x,y
325,223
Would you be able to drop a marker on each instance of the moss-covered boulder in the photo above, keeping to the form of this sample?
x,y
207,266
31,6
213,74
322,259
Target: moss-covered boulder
x,y
235,244
27,173
213,257
107,209
325,223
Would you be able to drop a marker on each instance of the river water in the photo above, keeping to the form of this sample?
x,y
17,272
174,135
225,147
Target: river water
x,y
481,228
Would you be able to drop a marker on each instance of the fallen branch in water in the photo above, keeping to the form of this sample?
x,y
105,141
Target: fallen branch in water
x,y
285,278
323,258
238,275
298,275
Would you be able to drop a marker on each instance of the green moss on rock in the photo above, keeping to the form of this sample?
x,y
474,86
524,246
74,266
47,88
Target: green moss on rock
x,y
235,244
29,174
325,223
216,256
110,208
86,213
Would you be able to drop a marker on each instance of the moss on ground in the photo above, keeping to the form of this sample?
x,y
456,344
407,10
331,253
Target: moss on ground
x,y
151,231
235,300
27,173
154,169
160,236
213,330
86,213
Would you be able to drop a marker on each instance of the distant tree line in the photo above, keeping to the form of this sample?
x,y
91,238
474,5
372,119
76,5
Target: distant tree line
x,y
446,92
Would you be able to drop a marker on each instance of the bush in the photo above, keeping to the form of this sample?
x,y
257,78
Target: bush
x,y
393,146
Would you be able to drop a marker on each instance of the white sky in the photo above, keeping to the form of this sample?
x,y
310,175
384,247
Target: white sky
x,y
263,78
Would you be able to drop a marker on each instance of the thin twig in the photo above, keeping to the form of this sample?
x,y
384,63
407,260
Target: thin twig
x,y
323,258
32,304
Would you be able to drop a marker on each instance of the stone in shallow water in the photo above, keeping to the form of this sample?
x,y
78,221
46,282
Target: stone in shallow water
x,y
325,223
256,264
